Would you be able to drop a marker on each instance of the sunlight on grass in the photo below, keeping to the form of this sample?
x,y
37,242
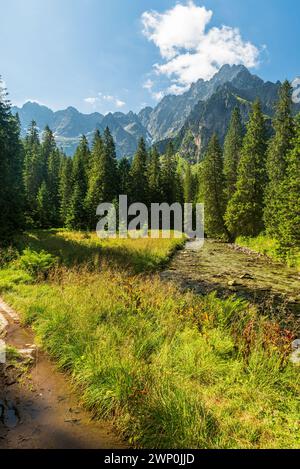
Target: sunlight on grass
x,y
76,248
171,369
271,248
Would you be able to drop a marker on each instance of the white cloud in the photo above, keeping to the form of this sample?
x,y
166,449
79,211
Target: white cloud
x,y
120,103
148,85
190,49
177,89
158,95
90,100
101,98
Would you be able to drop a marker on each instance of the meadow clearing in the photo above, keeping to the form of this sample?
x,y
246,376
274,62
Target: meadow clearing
x,y
171,369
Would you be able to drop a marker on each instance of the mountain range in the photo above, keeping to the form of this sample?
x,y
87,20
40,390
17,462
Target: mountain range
x,y
189,118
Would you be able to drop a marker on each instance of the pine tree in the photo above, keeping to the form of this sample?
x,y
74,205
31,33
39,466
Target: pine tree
x,y
110,177
48,146
52,181
32,171
244,215
138,174
11,161
124,176
154,177
96,181
169,176
189,185
214,190
278,149
65,188
288,230
43,206
232,151
77,215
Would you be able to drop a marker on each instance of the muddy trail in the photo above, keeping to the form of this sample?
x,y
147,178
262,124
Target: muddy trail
x,y
232,270
38,406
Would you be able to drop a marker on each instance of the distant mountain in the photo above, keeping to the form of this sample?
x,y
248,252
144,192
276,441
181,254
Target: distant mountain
x,y
171,113
191,118
205,108
68,125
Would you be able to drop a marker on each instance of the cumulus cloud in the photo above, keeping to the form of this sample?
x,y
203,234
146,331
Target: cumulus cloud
x,y
148,85
190,49
91,100
120,103
101,98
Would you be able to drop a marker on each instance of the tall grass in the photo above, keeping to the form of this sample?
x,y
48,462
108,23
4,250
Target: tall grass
x,y
271,248
172,370
77,248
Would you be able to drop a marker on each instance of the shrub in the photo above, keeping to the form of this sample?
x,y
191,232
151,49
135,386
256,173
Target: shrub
x,y
7,255
37,264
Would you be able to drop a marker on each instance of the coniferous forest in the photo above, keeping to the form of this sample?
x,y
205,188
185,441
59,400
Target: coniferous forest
x,y
249,187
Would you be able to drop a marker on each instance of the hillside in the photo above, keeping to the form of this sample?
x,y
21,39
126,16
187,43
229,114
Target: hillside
x,y
205,108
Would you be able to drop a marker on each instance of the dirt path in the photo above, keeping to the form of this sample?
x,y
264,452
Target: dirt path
x,y
38,407
232,270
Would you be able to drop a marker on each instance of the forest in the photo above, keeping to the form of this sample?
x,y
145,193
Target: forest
x,y
249,187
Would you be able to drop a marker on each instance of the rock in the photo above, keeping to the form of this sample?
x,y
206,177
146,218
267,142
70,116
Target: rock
x,y
246,275
232,283
295,356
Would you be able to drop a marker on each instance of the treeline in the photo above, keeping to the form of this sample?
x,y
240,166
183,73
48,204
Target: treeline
x,y
249,186
253,184
64,191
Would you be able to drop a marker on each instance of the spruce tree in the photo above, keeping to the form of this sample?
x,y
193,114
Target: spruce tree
x,y
278,149
154,176
110,175
65,188
52,181
77,215
214,190
31,168
96,181
124,176
32,171
138,174
244,215
288,214
189,185
44,207
169,176
11,162
48,146
232,152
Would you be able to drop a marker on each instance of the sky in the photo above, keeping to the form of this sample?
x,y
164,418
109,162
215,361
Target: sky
x,y
121,55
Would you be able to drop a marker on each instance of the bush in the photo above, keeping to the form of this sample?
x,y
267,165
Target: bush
x,y
37,264
7,255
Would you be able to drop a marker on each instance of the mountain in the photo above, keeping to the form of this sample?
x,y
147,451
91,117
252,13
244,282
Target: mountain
x,y
189,119
69,124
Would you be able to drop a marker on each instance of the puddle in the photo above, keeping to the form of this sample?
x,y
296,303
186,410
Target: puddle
x,y
9,414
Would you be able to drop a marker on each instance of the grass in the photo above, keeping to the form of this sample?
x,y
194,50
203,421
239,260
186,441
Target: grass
x,y
172,369
77,248
271,248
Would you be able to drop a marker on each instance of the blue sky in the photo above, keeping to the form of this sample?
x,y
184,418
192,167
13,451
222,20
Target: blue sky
x,y
100,55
